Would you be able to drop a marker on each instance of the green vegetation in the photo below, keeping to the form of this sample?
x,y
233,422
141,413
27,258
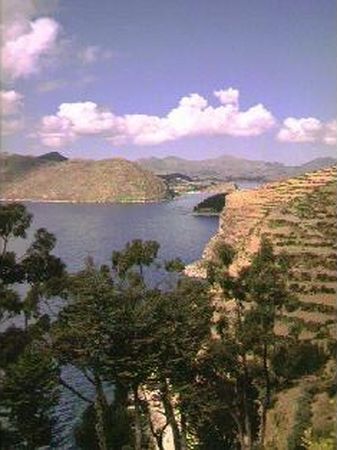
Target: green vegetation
x,y
211,205
29,375
198,360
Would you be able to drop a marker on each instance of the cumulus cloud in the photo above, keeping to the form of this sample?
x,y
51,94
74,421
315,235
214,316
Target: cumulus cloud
x,y
300,130
192,117
11,105
308,130
228,96
26,9
25,44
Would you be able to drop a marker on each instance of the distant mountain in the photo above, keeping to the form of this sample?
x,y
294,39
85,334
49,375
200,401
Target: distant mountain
x,y
319,163
231,168
113,180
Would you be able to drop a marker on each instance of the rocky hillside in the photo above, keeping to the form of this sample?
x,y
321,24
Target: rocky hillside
x,y
113,180
231,168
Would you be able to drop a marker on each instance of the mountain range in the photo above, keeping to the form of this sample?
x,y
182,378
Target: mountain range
x,y
53,177
231,168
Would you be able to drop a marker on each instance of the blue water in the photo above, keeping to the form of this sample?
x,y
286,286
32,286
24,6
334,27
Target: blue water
x,y
96,230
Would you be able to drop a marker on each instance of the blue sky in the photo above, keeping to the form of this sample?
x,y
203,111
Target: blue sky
x,y
192,78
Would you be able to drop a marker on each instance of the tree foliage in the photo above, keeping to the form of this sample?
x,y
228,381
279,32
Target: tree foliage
x,y
29,375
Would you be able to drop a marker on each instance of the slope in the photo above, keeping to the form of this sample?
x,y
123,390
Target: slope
x,y
114,180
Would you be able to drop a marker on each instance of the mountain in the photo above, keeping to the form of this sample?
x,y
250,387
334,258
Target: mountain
x,y
113,180
231,168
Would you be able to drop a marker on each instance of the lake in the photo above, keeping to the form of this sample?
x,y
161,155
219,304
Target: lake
x,y
98,229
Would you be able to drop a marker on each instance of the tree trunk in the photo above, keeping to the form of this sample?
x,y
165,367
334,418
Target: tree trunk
x,y
169,411
137,421
266,401
157,435
100,409
183,431
248,440
247,434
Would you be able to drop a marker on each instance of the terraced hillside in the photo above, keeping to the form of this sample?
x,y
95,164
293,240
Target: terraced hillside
x,y
113,180
299,217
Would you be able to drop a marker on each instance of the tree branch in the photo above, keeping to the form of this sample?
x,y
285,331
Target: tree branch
x,y
75,391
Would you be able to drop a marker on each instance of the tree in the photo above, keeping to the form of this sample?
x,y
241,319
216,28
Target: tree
x,y
255,299
28,373
30,393
118,329
265,288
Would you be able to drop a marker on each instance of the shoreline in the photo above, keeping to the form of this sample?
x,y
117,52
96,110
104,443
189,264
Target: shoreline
x,y
83,202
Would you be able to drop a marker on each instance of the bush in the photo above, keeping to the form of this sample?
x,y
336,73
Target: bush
x,y
300,359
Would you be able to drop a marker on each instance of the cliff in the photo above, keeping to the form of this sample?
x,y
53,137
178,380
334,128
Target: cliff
x,y
113,180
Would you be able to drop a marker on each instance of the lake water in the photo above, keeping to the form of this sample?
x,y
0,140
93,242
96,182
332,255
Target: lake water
x,y
96,230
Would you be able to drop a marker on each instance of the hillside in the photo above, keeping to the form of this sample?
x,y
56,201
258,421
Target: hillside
x,y
14,166
113,180
231,168
298,215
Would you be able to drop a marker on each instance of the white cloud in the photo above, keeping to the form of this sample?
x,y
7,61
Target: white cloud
x,y
10,102
308,130
25,44
228,96
192,117
11,106
300,130
26,9
330,133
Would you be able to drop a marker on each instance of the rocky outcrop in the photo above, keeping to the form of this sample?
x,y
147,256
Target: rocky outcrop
x,y
113,180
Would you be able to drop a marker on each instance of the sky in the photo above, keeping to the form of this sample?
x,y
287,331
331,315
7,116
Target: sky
x,y
191,78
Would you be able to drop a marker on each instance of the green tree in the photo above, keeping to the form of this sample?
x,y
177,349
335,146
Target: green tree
x,y
120,330
255,299
265,290
26,370
30,393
